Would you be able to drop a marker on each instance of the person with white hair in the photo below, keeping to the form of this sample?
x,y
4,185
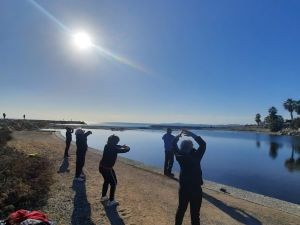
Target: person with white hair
x,y
81,143
190,179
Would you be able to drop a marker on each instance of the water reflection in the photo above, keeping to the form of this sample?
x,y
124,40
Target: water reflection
x,y
257,141
258,144
291,163
273,150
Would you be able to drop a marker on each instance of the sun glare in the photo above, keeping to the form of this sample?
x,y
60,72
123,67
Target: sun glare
x,y
82,40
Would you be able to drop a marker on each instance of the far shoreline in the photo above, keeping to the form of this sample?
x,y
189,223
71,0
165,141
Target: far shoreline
x,y
237,128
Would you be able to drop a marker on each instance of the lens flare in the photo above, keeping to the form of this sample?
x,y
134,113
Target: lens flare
x,y
82,40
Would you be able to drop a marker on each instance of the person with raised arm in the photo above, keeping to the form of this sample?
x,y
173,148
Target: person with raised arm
x,y
82,147
190,179
109,157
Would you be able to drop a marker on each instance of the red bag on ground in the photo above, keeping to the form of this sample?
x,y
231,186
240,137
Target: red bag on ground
x,y
21,215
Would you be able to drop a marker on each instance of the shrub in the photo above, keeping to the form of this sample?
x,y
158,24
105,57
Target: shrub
x,y
296,123
24,181
275,123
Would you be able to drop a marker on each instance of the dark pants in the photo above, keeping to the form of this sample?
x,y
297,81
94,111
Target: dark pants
x,y
80,160
169,161
68,142
110,178
194,197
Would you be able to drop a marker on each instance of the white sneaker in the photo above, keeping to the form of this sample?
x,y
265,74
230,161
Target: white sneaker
x,y
79,179
104,199
112,203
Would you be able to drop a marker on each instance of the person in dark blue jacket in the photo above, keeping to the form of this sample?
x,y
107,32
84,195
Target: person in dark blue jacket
x,y
110,154
169,153
190,179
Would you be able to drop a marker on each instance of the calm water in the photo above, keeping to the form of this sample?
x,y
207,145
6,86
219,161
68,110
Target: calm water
x,y
250,161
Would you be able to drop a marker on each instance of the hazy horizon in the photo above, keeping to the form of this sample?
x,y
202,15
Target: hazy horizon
x,y
200,62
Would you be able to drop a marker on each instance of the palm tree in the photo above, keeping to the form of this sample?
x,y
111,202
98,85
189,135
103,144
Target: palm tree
x,y
258,119
289,105
297,107
272,111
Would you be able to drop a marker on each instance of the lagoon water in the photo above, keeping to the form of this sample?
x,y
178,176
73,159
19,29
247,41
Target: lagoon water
x,y
251,161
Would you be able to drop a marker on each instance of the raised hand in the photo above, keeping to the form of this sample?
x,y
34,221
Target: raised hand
x,y
188,133
180,134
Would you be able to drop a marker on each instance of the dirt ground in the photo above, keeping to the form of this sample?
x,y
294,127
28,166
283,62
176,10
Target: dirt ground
x,y
146,197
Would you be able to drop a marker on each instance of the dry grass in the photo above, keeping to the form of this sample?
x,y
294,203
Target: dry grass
x,y
24,180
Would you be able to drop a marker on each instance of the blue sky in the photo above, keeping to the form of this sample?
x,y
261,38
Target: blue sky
x,y
207,61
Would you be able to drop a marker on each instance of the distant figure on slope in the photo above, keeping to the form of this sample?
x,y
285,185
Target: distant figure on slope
x,y
169,153
81,143
69,132
110,154
24,116
4,115
190,178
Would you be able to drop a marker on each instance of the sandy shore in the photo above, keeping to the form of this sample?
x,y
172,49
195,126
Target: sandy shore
x,y
146,197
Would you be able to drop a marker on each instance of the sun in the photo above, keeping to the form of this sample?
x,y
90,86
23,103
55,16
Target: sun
x,y
82,40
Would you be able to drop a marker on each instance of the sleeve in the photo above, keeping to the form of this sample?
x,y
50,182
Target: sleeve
x,y
121,149
202,147
87,133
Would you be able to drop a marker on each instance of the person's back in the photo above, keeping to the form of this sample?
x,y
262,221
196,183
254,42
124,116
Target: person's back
x,y
190,191
81,142
110,155
190,169
69,132
169,153
168,139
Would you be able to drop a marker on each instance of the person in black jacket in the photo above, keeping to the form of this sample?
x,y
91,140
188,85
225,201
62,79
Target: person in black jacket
x,y
81,143
110,154
190,179
69,132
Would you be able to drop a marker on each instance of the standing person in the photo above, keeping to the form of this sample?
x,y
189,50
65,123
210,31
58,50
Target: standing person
x,y
4,115
169,153
190,178
110,154
24,116
69,132
81,143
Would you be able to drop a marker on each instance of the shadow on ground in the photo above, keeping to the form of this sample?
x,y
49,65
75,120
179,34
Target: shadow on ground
x,y
64,167
113,216
237,214
82,209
